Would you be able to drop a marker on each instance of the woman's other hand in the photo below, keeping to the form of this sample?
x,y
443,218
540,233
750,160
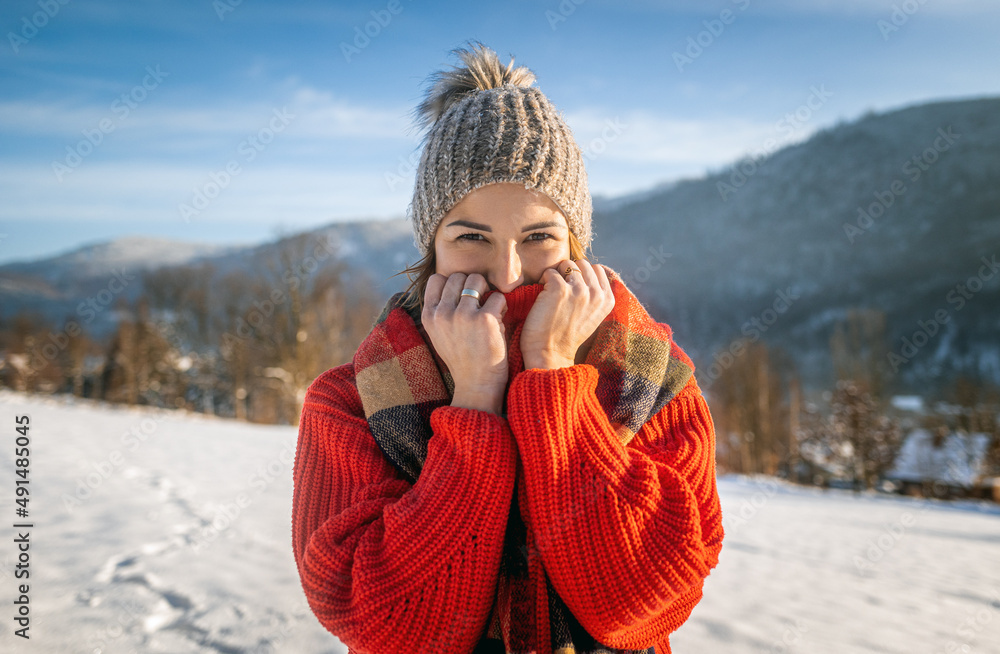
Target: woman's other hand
x,y
564,318
469,338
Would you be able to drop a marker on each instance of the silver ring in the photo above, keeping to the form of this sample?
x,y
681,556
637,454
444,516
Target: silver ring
x,y
470,292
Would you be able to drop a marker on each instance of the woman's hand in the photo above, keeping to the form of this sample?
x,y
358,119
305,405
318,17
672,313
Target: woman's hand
x,y
559,328
469,338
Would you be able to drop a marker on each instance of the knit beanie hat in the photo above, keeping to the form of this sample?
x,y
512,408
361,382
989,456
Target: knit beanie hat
x,y
488,125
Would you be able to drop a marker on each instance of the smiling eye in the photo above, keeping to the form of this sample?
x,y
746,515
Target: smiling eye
x,y
475,236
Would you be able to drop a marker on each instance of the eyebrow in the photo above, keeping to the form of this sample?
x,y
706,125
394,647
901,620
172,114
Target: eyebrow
x,y
487,228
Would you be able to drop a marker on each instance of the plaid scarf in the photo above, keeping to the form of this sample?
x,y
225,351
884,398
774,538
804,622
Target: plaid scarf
x,y
401,380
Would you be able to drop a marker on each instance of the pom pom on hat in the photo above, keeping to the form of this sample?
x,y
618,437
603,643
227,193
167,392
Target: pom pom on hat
x,y
487,124
482,71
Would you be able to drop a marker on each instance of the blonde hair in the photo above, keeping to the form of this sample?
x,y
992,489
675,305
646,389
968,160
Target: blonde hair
x,y
422,270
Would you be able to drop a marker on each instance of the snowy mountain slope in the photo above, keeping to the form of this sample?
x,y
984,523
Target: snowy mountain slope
x,y
133,253
170,532
68,286
59,287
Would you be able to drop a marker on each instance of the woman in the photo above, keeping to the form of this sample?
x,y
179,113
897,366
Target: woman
x,y
518,458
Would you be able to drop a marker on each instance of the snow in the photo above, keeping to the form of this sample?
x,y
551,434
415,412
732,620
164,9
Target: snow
x,y
179,538
180,541
140,252
829,571
958,461
908,403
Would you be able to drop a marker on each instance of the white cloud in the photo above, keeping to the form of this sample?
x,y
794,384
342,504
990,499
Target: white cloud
x,y
784,7
258,194
317,115
648,138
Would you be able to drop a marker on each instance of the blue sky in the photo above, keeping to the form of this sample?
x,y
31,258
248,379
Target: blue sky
x,y
116,115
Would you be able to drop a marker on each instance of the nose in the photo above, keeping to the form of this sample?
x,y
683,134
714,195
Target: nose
x,y
505,273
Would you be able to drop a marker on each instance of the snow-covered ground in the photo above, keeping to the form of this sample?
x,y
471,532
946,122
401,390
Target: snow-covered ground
x,y
170,532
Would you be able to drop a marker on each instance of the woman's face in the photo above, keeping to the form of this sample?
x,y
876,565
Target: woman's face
x,y
505,232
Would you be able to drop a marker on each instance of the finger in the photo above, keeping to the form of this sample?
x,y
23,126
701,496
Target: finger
x,y
608,292
452,287
477,282
587,273
495,304
552,276
578,275
602,277
432,291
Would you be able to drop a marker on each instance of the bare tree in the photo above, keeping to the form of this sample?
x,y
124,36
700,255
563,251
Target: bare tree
x,y
137,360
858,348
750,412
25,364
235,345
181,294
873,438
320,316
860,430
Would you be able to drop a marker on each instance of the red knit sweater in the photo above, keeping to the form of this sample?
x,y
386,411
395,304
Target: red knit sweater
x,y
390,567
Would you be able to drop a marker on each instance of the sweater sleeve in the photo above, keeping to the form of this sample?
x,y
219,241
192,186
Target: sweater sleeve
x,y
389,566
627,534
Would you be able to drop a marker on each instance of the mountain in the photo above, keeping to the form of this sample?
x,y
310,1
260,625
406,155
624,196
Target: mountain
x,y
898,211
56,286
73,284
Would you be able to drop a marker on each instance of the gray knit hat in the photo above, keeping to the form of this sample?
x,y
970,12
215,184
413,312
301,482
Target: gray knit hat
x,y
487,125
